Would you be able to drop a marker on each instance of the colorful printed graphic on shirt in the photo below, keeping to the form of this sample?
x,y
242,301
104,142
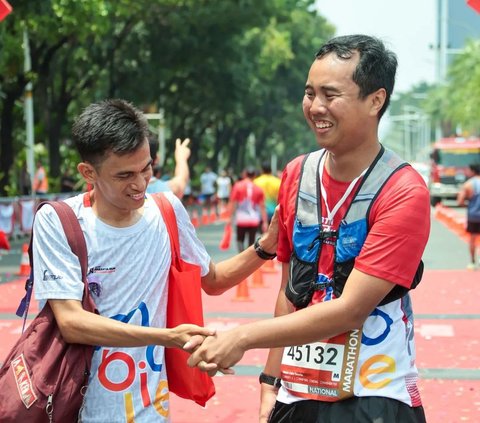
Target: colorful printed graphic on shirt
x,y
125,372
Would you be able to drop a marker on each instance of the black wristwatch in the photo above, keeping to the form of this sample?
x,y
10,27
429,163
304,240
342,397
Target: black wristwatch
x,y
270,380
261,252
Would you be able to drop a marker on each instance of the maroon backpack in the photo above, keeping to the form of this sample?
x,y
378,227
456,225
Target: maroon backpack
x,y
44,378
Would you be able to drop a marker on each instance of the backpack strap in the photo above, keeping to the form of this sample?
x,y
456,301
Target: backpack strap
x,y
379,172
77,243
168,214
307,208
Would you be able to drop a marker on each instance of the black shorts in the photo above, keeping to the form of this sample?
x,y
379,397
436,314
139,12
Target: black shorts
x,y
352,410
473,227
244,230
207,199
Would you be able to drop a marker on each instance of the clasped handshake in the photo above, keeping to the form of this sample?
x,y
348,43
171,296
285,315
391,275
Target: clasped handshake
x,y
211,352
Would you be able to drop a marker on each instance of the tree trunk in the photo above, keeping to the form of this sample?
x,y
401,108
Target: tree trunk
x,y
59,106
237,150
54,134
222,136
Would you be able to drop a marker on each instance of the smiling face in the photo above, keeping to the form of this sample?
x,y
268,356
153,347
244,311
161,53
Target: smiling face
x,y
119,184
340,120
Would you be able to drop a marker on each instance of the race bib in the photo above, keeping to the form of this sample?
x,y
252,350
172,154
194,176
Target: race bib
x,y
322,371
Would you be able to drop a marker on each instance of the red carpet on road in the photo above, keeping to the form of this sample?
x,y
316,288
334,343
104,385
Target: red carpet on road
x,y
445,304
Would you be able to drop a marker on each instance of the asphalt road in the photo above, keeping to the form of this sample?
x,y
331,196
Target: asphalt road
x,y
445,250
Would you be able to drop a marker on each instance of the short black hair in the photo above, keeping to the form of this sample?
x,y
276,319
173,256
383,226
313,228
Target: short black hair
x,y
475,168
250,171
112,125
266,167
376,67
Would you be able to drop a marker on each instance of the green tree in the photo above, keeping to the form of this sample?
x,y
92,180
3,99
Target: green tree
x,y
224,72
457,101
463,91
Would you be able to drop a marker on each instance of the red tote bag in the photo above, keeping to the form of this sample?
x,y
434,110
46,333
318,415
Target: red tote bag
x,y
184,306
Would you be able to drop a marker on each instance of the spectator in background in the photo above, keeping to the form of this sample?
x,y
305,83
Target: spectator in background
x,y
40,180
270,186
181,178
247,209
207,187
471,192
224,187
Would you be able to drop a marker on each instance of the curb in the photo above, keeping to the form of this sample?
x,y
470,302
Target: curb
x,y
453,221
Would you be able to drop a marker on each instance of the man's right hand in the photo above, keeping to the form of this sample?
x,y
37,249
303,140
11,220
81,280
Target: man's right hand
x,y
268,396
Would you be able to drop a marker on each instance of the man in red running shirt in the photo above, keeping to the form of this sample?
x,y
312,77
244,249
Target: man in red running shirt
x,y
346,353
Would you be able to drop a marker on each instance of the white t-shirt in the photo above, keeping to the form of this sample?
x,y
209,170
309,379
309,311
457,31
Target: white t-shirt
x,y
130,269
207,181
224,186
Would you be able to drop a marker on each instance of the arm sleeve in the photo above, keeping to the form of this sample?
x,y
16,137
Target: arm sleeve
x,y
287,197
57,272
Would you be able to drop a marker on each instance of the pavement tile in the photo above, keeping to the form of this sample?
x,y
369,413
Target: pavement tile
x,y
447,344
447,291
451,401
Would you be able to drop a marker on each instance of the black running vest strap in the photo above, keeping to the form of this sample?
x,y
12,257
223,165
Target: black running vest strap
x,y
309,236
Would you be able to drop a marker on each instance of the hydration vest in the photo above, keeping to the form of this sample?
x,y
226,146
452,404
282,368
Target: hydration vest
x,y
309,235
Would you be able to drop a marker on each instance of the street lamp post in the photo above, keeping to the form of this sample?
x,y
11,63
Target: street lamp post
x,y
442,65
28,109
416,133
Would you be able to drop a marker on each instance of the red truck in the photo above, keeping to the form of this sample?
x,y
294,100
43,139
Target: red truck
x,y
450,158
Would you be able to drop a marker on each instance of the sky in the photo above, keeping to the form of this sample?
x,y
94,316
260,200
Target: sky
x,y
408,27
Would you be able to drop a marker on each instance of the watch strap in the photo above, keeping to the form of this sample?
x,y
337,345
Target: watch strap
x,y
261,252
270,380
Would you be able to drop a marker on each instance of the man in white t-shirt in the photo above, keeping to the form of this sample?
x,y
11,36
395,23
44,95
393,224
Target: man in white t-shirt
x,y
224,187
128,263
208,178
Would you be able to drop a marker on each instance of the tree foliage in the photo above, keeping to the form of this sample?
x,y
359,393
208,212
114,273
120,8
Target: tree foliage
x,y
457,101
463,89
228,74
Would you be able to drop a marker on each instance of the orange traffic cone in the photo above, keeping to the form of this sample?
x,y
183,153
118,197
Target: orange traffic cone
x,y
205,217
24,262
223,212
242,292
269,267
213,215
257,279
194,219
440,212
